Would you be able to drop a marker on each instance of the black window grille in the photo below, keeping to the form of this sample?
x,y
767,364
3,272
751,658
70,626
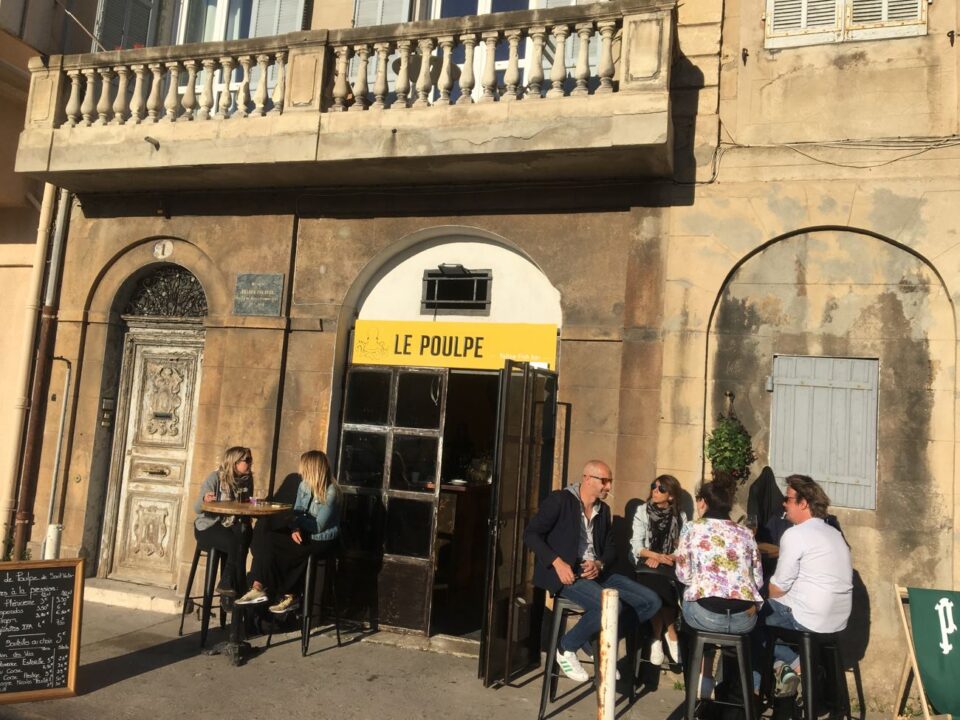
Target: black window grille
x,y
455,290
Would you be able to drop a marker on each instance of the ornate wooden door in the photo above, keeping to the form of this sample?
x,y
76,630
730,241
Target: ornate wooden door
x,y
158,400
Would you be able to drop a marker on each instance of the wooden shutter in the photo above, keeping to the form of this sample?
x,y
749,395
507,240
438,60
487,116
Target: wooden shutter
x,y
824,424
802,22
125,24
872,19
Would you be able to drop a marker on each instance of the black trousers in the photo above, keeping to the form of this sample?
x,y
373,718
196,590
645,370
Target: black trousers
x,y
234,541
279,564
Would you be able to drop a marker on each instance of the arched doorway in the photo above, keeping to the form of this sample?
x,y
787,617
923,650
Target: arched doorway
x,y
446,440
161,309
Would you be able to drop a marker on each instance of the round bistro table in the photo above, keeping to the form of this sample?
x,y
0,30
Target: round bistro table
x,y
235,647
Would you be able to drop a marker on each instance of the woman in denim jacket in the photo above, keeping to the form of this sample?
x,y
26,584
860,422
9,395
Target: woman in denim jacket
x,y
280,554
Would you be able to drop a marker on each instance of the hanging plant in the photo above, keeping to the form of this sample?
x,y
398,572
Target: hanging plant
x,y
729,448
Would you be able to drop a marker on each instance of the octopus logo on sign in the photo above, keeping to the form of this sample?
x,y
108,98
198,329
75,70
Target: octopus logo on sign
x,y
947,626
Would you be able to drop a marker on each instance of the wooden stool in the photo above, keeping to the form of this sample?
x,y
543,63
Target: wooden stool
x,y
699,640
809,645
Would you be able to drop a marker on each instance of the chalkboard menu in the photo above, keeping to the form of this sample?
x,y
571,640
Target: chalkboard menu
x,y
40,608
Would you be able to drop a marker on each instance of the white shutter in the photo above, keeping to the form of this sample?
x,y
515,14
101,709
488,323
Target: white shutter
x,y
873,19
824,424
381,12
802,22
125,24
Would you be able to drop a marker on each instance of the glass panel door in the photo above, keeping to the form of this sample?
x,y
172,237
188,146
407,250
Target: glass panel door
x,y
390,450
523,472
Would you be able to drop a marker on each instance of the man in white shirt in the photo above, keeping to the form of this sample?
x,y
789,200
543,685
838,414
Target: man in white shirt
x,y
812,587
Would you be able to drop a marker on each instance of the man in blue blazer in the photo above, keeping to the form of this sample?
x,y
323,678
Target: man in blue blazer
x,y
571,538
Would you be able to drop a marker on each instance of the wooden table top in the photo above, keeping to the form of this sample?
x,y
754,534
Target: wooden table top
x,y
232,507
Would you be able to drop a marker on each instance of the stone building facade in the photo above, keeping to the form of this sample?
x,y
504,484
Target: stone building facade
x,y
724,202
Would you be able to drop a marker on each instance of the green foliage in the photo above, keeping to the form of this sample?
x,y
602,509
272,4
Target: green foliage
x,y
729,448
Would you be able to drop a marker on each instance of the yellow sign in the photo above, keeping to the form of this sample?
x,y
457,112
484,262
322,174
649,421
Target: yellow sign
x,y
452,344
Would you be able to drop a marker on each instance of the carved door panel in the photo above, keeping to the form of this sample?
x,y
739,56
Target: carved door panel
x,y
162,381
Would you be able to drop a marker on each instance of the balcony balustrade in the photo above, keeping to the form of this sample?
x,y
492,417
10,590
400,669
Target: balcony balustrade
x,y
572,91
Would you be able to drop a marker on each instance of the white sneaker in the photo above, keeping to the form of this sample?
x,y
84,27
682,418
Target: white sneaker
x,y
673,647
570,665
656,653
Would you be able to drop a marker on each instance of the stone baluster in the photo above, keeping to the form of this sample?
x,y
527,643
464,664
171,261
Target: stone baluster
x,y
89,105
380,86
153,99
511,78
585,31
445,80
403,76
607,28
280,86
558,73
73,103
243,92
171,103
206,94
467,80
226,100
260,97
489,79
136,102
120,101
424,81
341,89
104,107
535,64
360,89
189,101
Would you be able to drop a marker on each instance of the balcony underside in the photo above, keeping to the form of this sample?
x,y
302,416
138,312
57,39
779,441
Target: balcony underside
x,y
610,137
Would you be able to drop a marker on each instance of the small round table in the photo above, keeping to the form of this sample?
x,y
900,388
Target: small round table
x,y
235,646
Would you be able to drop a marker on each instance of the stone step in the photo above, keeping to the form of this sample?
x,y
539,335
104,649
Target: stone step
x,y
133,596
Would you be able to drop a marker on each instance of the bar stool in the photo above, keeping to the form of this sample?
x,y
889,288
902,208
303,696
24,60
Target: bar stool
x,y
329,563
562,610
699,640
215,561
809,645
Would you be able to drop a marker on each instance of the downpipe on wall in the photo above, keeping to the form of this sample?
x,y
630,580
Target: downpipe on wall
x,y
21,380
33,443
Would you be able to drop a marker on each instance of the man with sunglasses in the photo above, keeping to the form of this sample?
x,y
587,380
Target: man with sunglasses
x,y
572,540
812,588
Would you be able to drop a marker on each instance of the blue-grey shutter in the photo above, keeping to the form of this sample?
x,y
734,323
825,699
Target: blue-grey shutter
x,y
125,24
824,424
380,12
276,17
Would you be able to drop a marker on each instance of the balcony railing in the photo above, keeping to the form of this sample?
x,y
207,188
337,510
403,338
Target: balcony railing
x,y
524,58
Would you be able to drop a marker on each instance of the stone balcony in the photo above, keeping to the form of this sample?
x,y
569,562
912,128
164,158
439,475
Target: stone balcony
x,y
360,107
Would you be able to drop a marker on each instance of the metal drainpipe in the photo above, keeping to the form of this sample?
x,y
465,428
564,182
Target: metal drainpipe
x,y
51,544
21,380
33,444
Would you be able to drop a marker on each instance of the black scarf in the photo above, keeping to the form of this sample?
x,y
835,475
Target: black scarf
x,y
664,528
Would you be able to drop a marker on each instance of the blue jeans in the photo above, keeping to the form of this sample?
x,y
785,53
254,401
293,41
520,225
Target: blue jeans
x,y
779,615
700,618
587,594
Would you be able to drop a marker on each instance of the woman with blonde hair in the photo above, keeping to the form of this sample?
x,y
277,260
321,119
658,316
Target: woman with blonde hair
x,y
231,481
280,554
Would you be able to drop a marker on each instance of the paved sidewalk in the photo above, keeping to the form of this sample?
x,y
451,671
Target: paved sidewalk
x,y
133,665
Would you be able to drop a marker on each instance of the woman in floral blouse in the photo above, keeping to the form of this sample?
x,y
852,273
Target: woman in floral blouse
x,y
719,563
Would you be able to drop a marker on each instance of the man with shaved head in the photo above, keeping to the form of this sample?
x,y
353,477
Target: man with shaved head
x,y
572,540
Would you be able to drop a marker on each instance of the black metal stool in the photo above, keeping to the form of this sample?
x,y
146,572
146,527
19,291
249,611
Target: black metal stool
x,y
810,646
699,640
215,561
562,609
330,565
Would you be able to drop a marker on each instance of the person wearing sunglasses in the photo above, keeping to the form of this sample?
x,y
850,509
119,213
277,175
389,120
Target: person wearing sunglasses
x,y
231,481
656,532
571,538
